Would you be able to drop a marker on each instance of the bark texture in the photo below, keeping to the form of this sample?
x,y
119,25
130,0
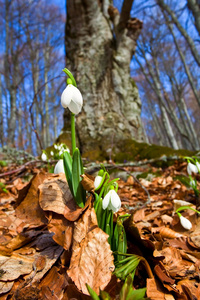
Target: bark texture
x,y
99,46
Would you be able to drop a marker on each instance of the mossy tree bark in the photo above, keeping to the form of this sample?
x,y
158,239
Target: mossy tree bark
x,y
100,43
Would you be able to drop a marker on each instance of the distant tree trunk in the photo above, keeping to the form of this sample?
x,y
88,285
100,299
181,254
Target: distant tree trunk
x,y
99,48
168,128
1,116
182,57
46,69
10,78
165,7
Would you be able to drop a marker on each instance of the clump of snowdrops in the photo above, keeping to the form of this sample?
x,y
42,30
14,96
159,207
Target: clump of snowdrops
x,y
106,200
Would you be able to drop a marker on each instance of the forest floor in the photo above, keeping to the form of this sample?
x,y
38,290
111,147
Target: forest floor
x,y
38,228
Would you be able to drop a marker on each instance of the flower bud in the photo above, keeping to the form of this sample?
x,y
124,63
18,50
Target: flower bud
x,y
185,223
59,167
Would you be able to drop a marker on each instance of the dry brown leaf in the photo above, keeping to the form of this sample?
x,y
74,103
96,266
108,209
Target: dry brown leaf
x,y
5,286
175,265
166,219
29,209
152,216
62,229
55,196
162,274
166,232
54,283
72,292
88,182
155,291
14,266
195,236
92,259
139,215
50,254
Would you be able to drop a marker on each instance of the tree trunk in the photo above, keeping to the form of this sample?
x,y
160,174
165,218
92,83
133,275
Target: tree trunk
x,y
99,54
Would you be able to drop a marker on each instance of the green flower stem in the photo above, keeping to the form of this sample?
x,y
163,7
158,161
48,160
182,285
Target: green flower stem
x,y
73,133
186,207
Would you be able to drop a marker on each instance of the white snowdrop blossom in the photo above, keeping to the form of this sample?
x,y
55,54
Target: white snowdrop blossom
x,y
72,98
111,201
44,156
59,167
52,153
198,166
191,168
97,181
55,146
185,223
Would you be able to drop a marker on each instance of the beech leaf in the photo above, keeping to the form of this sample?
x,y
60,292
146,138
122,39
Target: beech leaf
x,y
92,259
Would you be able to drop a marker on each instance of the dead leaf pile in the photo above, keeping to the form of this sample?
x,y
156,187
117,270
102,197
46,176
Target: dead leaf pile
x,y
50,248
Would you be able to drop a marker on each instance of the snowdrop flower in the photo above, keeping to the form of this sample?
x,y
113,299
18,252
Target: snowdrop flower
x,y
97,181
185,223
55,146
52,153
198,166
191,168
111,201
72,98
59,167
44,156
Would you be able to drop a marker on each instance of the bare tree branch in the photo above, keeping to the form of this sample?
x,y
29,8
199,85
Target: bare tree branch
x,y
125,14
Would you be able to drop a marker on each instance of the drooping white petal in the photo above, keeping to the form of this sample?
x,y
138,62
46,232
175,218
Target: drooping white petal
x,y
191,168
72,98
97,181
77,97
106,200
185,223
59,167
198,166
66,96
115,202
74,107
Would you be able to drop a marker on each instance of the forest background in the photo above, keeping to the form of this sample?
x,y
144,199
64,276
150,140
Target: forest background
x,y
164,67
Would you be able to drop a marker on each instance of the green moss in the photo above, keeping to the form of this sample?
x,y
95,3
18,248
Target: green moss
x,y
131,150
95,155
184,179
134,83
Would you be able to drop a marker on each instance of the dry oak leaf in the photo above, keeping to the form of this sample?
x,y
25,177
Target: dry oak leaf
x,y
92,259
55,196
